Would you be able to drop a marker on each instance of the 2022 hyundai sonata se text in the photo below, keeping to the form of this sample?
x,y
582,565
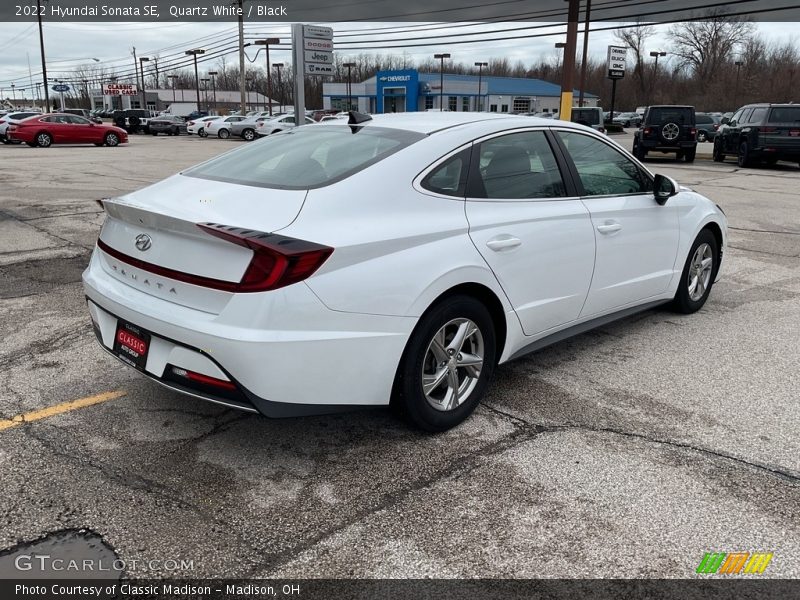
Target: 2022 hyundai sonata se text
x,y
398,258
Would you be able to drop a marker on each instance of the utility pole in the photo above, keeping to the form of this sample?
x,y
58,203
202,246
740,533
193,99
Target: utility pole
x,y
213,75
143,60
567,77
44,62
656,54
242,82
278,67
585,51
299,74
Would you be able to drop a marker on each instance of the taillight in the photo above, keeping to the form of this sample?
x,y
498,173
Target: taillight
x,y
769,129
716,126
277,260
647,131
693,131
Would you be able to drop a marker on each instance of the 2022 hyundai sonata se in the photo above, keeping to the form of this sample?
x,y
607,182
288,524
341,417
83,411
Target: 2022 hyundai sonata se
x,y
395,258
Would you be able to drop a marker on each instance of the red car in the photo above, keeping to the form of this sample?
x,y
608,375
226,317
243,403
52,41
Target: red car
x,y
57,128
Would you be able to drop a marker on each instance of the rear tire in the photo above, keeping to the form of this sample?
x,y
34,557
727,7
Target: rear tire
x,y
690,154
716,153
436,362
248,135
44,140
202,133
224,134
743,158
698,274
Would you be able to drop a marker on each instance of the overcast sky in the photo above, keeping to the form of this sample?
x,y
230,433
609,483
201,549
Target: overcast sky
x,y
70,44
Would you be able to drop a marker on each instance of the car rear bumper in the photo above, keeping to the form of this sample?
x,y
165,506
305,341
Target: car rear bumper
x,y
658,145
285,355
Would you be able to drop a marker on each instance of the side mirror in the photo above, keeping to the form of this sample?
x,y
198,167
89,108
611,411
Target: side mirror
x,y
664,188
725,120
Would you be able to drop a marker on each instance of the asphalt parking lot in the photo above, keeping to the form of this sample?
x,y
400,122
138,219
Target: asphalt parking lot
x,y
629,451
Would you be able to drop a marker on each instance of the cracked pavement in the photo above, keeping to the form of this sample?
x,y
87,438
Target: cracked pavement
x,y
628,451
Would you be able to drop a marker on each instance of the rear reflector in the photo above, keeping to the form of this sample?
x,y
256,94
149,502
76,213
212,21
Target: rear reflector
x,y
204,379
277,260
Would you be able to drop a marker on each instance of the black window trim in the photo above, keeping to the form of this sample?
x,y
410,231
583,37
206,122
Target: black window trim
x,y
573,170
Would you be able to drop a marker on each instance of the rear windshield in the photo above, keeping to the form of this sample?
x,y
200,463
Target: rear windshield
x,y
785,114
590,117
305,157
681,116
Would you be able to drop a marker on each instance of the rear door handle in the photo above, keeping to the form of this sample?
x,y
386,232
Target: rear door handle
x,y
609,227
503,242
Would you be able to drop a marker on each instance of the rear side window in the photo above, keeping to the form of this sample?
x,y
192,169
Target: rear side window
x,y
785,114
517,166
305,157
584,115
758,115
704,120
449,178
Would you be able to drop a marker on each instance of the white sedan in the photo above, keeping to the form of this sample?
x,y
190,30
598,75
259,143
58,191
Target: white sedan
x,y
221,127
278,124
400,257
198,126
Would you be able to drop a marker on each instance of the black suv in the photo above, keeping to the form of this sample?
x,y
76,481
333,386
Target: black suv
x,y
760,132
667,129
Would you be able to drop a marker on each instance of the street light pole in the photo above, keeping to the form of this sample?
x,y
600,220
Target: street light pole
x,y
193,53
441,58
41,48
214,86
480,66
278,67
143,60
205,81
349,66
656,54
266,43
172,81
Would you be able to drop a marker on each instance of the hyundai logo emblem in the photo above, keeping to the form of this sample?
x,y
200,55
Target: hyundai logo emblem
x,y
143,242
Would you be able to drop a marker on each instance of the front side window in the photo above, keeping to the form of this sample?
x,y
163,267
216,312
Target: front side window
x,y
603,170
517,166
76,120
305,157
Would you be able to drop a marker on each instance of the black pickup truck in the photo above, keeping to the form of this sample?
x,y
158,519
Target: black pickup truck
x,y
760,132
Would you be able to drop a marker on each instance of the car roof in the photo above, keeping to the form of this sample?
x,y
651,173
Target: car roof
x,y
431,122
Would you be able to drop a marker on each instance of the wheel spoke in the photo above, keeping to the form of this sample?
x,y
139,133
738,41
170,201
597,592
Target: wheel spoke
x,y
452,383
431,382
466,360
701,288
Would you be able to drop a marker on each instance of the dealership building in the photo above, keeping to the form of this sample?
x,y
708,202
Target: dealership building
x,y
410,91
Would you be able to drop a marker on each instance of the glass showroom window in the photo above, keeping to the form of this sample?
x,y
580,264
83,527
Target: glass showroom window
x,y
428,102
452,103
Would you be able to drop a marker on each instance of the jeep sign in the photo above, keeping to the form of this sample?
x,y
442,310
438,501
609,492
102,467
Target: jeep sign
x,y
616,62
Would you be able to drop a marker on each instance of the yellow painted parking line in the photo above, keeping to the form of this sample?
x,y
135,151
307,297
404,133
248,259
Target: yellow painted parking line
x,y
59,409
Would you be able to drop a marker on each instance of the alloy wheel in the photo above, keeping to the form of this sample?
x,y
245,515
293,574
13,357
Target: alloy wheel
x,y
700,269
452,364
44,140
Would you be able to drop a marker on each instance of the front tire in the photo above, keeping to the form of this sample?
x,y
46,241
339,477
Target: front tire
x,y
698,274
447,364
111,140
249,135
701,136
44,140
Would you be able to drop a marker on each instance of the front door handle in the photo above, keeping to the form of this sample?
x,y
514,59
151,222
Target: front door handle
x,y
503,242
609,227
